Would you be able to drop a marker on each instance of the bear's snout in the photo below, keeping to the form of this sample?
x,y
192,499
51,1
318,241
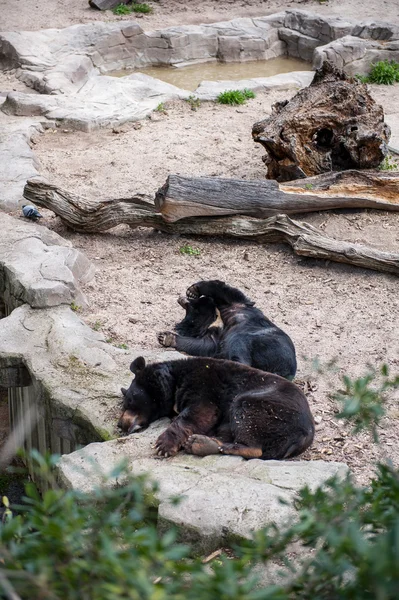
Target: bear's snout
x,y
129,422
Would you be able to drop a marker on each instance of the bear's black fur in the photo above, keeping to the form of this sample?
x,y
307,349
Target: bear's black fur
x,y
247,335
223,407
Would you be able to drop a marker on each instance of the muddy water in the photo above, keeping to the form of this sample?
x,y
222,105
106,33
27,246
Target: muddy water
x,y
190,77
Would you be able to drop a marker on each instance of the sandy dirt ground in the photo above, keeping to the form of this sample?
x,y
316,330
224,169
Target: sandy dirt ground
x,y
330,310
42,14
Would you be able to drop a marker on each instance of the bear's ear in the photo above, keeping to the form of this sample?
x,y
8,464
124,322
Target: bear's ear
x,y
137,365
124,390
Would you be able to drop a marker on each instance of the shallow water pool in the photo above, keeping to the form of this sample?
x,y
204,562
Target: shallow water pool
x,y
189,78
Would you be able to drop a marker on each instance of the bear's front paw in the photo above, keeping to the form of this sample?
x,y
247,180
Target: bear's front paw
x,y
166,445
193,292
167,339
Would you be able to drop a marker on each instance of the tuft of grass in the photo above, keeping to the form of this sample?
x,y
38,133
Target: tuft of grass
x,y
161,108
121,9
97,326
75,307
122,346
141,8
235,97
389,164
384,72
309,186
194,102
187,249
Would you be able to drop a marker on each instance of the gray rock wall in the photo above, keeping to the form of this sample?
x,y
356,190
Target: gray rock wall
x,y
224,498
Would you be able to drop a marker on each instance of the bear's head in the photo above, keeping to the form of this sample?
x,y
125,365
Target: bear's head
x,y
145,400
200,314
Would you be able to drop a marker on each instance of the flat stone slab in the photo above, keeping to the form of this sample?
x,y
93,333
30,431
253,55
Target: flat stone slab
x,y
224,498
39,267
101,102
210,90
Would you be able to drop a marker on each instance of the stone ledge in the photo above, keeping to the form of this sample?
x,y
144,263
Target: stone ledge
x,y
39,267
17,159
75,375
224,498
210,90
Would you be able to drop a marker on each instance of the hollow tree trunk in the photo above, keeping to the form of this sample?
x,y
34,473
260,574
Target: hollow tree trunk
x,y
89,217
332,125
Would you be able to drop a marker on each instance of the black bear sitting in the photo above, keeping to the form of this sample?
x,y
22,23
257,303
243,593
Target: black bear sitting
x,y
247,335
223,407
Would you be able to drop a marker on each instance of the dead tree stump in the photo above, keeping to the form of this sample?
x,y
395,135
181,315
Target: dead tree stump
x,y
332,125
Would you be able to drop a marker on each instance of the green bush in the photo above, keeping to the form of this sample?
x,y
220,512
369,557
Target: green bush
x,y
104,545
383,72
235,97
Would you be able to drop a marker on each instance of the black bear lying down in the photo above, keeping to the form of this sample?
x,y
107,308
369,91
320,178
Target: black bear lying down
x,y
247,335
222,407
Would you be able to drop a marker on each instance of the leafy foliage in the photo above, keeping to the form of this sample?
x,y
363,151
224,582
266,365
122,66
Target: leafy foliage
x,y
362,403
234,97
350,537
384,72
104,545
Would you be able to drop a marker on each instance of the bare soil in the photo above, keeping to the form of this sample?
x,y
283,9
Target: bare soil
x,y
330,310
30,15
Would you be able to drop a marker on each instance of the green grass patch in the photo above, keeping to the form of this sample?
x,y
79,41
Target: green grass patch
x,y
141,8
384,72
187,249
235,97
124,9
121,9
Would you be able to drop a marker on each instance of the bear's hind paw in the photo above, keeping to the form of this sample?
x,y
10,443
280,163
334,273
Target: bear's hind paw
x,y
167,339
201,445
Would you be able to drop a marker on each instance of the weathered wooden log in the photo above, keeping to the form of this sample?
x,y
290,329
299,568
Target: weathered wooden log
x,y
332,125
106,4
92,217
89,217
183,197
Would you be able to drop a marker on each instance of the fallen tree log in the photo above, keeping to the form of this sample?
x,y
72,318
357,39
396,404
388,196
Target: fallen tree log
x,y
89,217
183,197
333,124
